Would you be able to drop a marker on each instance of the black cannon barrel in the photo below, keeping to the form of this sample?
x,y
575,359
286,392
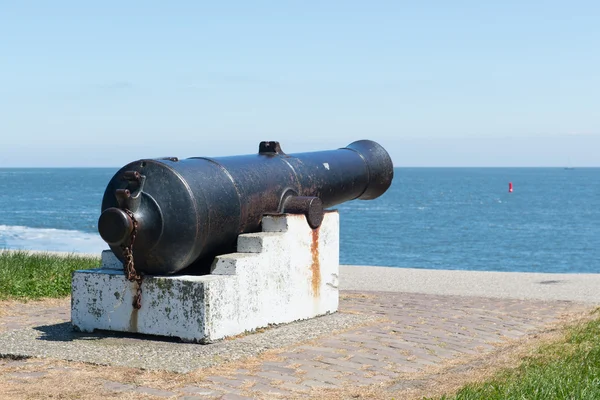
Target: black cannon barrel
x,y
187,210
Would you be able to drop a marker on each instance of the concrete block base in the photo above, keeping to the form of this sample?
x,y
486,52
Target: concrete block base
x,y
285,273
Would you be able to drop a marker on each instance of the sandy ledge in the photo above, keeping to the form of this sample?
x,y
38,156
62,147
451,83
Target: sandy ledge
x,y
514,285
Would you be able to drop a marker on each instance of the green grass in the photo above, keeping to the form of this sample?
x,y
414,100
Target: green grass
x,y
566,369
33,276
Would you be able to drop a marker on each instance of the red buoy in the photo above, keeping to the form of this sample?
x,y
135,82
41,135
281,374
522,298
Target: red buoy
x,y
510,188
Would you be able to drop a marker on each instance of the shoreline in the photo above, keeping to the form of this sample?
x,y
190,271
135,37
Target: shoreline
x,y
574,287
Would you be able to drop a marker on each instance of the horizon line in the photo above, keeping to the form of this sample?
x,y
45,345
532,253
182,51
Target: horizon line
x,y
395,166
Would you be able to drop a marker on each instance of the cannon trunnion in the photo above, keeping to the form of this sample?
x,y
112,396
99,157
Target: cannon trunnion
x,y
184,211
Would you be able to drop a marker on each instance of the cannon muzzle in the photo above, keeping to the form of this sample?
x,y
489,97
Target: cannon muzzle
x,y
183,211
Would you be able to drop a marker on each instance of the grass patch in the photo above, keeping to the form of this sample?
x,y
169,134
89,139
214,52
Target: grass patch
x,y
25,275
565,369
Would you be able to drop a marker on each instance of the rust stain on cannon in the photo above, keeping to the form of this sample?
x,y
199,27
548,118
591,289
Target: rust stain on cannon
x,y
316,265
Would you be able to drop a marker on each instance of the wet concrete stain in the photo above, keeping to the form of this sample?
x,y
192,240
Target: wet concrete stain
x,y
133,318
316,265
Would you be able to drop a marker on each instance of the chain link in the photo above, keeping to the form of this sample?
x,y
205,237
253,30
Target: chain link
x,y
128,264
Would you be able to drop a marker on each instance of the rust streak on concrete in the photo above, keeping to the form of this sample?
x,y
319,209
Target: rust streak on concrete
x,y
315,266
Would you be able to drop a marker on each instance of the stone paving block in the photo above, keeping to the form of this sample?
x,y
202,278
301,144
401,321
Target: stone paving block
x,y
442,352
318,384
294,387
380,346
341,344
300,356
306,365
199,391
16,363
410,352
374,335
452,340
233,396
378,378
463,349
425,361
229,382
512,334
258,380
266,389
26,375
224,389
117,386
278,368
368,361
318,350
242,371
245,378
411,384
278,377
371,355
484,347
387,371
344,365
401,368
61,368
360,380
154,392
321,375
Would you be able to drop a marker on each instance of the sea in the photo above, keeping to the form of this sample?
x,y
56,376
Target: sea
x,y
432,218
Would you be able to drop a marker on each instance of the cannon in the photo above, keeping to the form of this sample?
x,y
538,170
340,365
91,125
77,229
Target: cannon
x,y
180,212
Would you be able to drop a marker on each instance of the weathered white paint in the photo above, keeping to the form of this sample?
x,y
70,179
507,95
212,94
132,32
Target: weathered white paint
x,y
286,273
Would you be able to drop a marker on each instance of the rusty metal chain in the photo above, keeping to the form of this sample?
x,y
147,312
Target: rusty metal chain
x,y
128,264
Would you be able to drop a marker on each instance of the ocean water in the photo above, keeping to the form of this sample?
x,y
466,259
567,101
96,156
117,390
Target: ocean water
x,y
438,218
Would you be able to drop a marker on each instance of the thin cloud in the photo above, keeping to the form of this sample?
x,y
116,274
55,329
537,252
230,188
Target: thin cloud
x,y
576,133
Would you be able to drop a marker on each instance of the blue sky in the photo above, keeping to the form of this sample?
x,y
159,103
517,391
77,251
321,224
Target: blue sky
x,y
438,83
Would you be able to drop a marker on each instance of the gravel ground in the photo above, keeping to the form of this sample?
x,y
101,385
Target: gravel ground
x,y
105,348
514,285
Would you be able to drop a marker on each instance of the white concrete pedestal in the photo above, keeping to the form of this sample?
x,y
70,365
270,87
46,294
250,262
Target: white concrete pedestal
x,y
285,273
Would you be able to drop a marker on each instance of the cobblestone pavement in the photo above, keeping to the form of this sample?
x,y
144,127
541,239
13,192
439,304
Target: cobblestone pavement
x,y
415,331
